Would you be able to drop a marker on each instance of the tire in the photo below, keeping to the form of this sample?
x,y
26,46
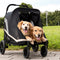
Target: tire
x,y
2,47
26,52
35,48
44,51
46,43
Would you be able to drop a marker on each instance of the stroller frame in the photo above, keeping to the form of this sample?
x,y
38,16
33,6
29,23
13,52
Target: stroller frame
x,y
11,38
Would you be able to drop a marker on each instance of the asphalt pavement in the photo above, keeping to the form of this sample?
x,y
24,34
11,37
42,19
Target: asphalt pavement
x,y
18,55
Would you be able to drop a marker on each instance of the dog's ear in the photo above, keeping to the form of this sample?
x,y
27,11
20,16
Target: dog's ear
x,y
31,32
42,33
31,26
31,29
19,25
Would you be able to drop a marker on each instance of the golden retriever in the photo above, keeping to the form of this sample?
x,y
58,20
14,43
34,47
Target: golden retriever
x,y
25,28
37,33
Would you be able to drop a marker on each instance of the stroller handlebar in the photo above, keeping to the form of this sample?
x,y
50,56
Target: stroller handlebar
x,y
14,5
9,6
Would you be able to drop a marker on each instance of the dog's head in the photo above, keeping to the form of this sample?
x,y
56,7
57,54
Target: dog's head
x,y
37,32
24,25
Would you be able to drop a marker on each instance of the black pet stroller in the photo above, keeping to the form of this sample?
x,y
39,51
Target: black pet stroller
x,y
12,35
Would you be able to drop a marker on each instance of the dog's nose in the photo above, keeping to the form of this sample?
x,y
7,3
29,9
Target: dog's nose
x,y
38,35
25,28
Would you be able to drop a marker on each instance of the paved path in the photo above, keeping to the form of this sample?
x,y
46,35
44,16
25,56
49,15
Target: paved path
x,y
18,55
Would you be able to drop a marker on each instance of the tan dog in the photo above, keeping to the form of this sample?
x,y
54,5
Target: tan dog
x,y
25,28
37,33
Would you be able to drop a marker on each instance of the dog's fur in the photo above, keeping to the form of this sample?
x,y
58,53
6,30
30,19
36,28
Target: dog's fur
x,y
37,33
25,28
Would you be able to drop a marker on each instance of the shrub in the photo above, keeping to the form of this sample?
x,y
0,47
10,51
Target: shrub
x,y
1,22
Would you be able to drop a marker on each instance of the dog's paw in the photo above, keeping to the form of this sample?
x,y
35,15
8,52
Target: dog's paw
x,y
32,42
29,39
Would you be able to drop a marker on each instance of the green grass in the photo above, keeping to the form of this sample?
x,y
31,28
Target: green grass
x,y
52,33
1,34
53,36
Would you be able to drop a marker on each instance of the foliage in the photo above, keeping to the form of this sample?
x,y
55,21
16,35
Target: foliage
x,y
1,22
53,18
43,18
24,5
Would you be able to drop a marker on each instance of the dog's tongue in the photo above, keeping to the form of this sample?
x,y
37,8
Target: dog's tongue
x,y
25,31
38,38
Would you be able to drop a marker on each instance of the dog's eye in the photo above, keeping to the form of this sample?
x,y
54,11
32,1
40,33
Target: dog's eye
x,y
28,24
23,24
40,30
35,30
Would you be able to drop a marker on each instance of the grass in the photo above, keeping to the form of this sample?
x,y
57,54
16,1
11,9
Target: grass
x,y
52,33
53,36
1,34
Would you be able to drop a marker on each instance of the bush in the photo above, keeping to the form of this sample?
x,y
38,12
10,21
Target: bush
x,y
1,22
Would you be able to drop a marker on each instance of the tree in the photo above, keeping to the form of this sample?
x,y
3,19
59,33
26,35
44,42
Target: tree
x,y
24,5
53,18
57,17
43,18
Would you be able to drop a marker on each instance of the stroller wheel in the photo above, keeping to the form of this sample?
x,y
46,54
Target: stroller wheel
x,y
2,47
44,51
35,48
26,52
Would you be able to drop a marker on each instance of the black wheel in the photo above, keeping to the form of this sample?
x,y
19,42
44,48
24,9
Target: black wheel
x,y
35,48
44,51
2,47
46,43
26,52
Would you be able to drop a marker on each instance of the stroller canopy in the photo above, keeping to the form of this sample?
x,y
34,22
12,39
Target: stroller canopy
x,y
19,14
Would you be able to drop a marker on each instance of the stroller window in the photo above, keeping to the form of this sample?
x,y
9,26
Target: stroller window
x,y
34,17
32,23
24,16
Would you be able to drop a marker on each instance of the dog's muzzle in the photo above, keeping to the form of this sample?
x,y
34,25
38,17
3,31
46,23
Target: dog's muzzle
x,y
25,28
37,36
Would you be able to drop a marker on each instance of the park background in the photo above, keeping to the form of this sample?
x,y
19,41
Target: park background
x,y
51,26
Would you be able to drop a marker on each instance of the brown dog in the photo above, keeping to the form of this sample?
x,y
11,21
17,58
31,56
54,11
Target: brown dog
x,y
37,33
25,28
